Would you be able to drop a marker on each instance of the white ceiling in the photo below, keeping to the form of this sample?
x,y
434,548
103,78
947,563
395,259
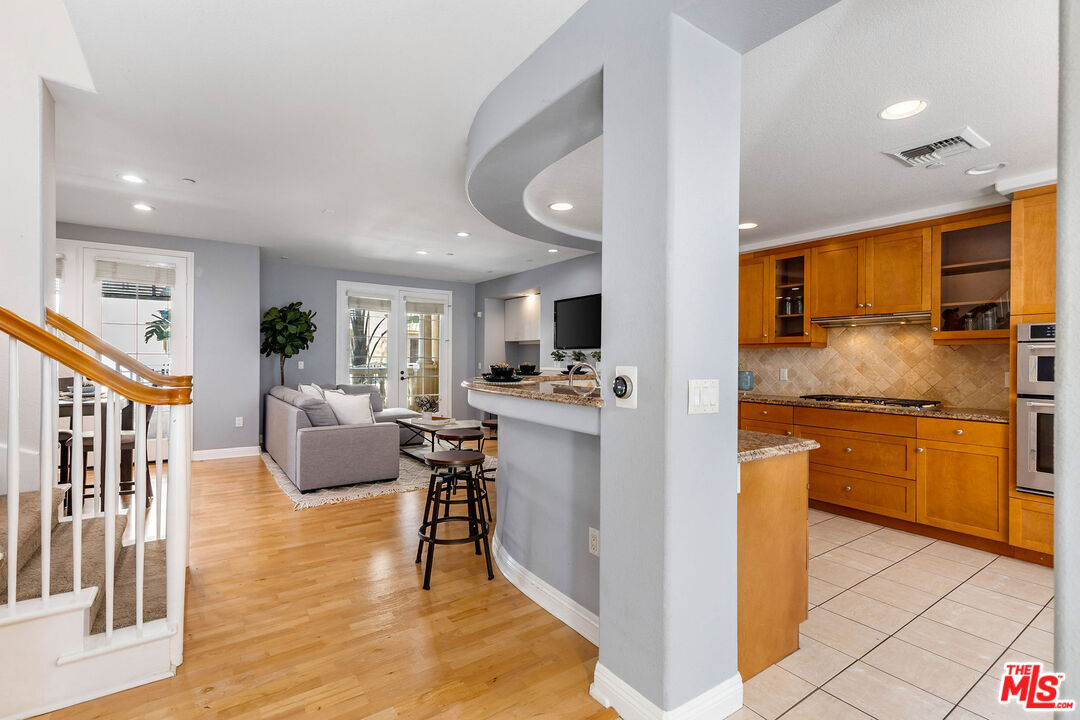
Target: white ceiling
x,y
330,131
812,162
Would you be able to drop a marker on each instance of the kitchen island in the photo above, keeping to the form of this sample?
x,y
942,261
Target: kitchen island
x,y
549,498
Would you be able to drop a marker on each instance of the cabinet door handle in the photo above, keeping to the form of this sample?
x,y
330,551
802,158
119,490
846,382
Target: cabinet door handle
x,y
789,433
860,305
765,335
847,450
764,412
869,304
958,431
806,333
920,449
934,329
847,488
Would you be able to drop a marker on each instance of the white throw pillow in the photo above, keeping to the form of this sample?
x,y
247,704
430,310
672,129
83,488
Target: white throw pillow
x,y
350,409
312,389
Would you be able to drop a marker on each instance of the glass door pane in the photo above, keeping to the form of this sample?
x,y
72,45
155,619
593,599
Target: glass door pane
x,y
790,302
369,341
423,356
975,277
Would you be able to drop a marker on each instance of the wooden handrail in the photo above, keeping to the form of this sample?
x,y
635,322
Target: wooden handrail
x,y
118,356
48,344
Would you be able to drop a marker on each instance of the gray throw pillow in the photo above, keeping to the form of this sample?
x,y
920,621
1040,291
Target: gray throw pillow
x,y
372,390
318,412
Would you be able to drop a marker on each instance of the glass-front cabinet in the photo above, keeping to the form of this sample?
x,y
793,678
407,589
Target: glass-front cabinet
x,y
971,296
790,311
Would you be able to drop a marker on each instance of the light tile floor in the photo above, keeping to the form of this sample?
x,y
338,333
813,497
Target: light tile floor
x,y
903,627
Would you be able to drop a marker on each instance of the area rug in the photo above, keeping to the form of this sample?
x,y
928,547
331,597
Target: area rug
x,y
412,475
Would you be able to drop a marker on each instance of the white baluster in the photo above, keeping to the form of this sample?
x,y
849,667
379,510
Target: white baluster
x,y
13,470
99,443
176,547
47,474
138,509
77,481
111,490
159,450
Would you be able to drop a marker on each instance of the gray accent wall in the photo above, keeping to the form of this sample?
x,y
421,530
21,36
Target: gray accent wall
x,y
580,276
285,281
226,327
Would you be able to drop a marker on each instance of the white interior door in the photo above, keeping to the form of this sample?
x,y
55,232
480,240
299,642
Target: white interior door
x,y
368,339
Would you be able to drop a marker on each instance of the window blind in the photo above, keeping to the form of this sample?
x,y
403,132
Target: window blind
x,y
116,271
424,306
59,266
371,304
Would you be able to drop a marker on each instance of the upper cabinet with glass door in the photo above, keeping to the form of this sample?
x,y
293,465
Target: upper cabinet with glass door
x,y
971,270
790,300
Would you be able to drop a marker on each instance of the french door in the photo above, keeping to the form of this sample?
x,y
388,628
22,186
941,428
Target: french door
x,y
398,339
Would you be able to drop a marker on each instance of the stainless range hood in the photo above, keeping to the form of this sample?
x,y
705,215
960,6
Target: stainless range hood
x,y
908,318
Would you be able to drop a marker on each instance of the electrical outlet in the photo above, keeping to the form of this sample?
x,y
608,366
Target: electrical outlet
x,y
299,364
1006,378
239,421
479,314
594,542
783,373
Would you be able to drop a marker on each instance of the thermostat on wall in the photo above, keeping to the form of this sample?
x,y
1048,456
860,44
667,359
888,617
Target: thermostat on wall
x,y
624,386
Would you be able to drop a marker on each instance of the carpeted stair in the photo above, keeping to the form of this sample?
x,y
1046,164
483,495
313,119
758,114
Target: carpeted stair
x,y
93,564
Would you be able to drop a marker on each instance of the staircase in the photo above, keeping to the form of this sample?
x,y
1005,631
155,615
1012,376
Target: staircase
x,y
82,614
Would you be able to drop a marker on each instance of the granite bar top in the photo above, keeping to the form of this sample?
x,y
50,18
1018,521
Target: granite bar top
x,y
550,388
758,446
947,413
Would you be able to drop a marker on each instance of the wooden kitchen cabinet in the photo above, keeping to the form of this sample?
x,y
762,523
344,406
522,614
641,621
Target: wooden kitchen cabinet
x,y
865,452
881,494
755,305
837,279
971,281
1034,251
1031,524
898,272
963,487
765,426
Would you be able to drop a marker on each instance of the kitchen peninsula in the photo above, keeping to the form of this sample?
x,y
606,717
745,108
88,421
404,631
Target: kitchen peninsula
x,y
549,498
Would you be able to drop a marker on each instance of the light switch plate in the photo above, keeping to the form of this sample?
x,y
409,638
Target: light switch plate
x,y
299,364
239,421
704,397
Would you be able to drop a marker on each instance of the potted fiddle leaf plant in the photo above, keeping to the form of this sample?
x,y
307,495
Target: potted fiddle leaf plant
x,y
286,330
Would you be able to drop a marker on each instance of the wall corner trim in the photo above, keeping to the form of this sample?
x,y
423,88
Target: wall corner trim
x,y
579,619
611,691
224,453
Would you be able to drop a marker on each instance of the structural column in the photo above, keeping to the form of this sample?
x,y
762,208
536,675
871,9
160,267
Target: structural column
x,y
668,615
1067,470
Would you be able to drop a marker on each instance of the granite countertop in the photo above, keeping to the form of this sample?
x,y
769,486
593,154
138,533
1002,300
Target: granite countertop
x,y
944,412
758,446
551,388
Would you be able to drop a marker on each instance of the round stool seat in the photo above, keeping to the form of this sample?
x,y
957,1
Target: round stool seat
x,y
460,434
454,458
490,423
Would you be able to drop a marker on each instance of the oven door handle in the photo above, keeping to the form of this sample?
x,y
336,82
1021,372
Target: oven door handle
x,y
1030,403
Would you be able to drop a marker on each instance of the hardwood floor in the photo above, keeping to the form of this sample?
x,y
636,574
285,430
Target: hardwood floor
x,y
319,612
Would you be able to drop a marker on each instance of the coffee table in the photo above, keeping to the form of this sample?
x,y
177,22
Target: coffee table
x,y
425,430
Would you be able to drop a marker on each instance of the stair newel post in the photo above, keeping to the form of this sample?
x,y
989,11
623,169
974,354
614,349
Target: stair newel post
x,y
138,509
111,490
99,466
47,471
176,541
159,450
13,470
77,481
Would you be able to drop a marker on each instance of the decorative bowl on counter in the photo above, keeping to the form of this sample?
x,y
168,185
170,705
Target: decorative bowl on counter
x,y
502,370
527,368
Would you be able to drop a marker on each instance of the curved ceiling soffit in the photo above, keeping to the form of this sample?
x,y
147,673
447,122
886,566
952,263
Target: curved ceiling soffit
x,y
577,178
551,105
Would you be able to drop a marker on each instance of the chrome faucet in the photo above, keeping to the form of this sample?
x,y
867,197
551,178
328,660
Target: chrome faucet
x,y
573,371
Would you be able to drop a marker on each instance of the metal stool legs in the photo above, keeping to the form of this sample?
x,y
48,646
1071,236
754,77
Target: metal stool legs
x,y
445,484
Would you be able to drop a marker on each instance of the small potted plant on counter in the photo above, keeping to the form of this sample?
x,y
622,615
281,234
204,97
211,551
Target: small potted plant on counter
x,y
558,356
595,355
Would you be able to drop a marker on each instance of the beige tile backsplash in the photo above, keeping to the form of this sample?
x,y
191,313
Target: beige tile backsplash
x,y
887,360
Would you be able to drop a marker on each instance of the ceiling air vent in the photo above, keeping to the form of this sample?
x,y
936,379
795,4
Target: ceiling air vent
x,y
933,153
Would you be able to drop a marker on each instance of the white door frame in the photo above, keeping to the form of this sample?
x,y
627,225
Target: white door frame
x,y
395,349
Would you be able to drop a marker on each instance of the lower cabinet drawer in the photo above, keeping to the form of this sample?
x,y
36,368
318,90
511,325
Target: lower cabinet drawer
x,y
865,452
767,427
894,497
1031,525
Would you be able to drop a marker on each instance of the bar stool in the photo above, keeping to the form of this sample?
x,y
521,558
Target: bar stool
x,y
458,466
457,436
493,426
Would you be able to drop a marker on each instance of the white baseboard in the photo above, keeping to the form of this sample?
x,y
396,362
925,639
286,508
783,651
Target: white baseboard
x,y
581,620
611,691
223,453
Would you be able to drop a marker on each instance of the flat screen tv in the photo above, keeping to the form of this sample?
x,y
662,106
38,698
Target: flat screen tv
x,y
577,323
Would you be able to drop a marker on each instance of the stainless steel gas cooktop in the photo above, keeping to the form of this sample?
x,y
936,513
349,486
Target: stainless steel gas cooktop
x,y
867,400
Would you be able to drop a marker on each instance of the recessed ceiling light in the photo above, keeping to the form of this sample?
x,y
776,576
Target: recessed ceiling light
x,y
902,109
985,169
553,250
747,226
463,234
132,178
143,207
561,206
421,252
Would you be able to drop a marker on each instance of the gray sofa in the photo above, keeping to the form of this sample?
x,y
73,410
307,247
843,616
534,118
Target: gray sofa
x,y
304,439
